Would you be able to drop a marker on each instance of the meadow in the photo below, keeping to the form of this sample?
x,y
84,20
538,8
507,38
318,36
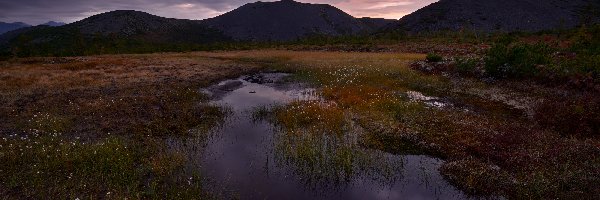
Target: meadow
x,y
96,126
498,137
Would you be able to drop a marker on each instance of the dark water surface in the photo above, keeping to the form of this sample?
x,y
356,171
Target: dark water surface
x,y
241,159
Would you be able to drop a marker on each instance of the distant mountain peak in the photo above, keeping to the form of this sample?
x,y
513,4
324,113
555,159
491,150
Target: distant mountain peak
x,y
286,20
127,12
139,30
127,22
494,15
6,27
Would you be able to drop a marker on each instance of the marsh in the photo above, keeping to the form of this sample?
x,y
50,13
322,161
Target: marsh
x,y
272,123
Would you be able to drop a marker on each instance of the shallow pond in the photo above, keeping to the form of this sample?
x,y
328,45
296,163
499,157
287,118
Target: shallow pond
x,y
242,158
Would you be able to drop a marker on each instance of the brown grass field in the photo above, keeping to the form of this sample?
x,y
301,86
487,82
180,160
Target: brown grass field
x,y
95,126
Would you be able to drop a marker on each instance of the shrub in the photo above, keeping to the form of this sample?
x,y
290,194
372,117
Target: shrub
x,y
4,54
587,66
587,41
466,65
586,45
516,61
432,57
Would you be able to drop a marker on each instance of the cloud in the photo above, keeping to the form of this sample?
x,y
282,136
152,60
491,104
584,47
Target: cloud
x,y
41,11
185,6
383,5
392,9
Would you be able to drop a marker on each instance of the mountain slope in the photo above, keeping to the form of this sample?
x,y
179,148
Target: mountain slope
x,y
6,27
111,32
285,20
53,23
505,15
377,23
141,25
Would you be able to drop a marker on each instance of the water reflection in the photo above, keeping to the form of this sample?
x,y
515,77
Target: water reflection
x,y
250,159
429,101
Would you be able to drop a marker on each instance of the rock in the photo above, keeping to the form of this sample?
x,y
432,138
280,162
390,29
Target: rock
x,y
230,86
258,79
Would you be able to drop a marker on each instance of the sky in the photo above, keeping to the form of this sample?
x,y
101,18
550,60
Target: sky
x,y
40,11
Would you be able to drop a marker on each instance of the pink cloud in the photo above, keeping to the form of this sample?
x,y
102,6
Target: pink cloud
x,y
392,9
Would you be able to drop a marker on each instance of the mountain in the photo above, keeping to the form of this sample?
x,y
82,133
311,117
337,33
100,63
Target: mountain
x,y
111,32
53,23
286,20
261,21
377,23
128,24
503,16
6,27
141,25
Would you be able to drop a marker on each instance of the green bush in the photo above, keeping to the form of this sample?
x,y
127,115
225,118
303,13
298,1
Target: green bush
x,y
586,65
517,60
577,64
587,41
432,57
466,65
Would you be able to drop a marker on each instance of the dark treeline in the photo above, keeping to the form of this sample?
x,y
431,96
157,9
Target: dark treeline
x,y
49,42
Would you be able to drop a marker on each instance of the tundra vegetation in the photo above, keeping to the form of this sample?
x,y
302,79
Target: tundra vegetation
x,y
95,127
516,116
498,136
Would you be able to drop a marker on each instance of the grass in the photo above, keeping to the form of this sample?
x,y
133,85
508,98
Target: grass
x,y
555,59
95,127
320,145
498,138
48,166
566,62
491,142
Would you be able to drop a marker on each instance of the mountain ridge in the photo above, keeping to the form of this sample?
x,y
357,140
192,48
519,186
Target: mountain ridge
x,y
7,27
111,32
498,16
286,20
53,23
260,21
130,23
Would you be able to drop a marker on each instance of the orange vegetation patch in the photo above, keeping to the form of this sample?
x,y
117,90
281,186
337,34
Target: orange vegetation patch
x,y
317,117
111,94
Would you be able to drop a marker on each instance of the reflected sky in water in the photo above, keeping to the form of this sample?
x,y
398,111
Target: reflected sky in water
x,y
241,160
